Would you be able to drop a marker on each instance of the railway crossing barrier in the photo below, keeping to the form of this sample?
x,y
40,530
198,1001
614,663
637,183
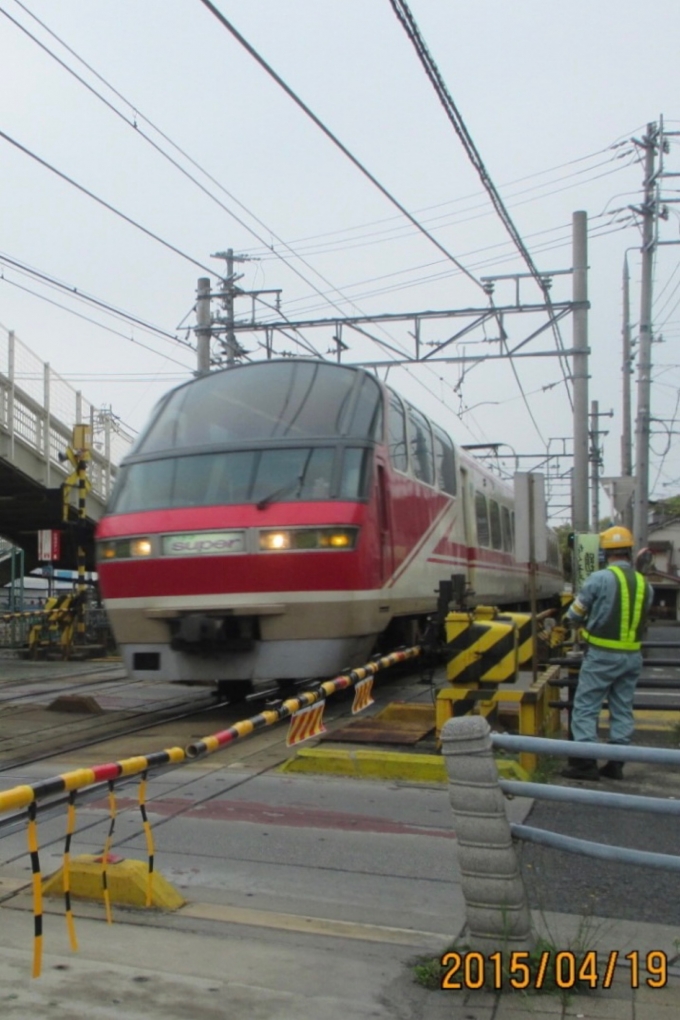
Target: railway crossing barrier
x,y
53,628
496,903
486,647
66,786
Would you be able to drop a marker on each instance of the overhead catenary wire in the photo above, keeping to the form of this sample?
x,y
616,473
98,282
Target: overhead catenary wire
x,y
87,318
497,261
100,201
81,295
296,255
408,22
398,232
134,123
448,273
334,139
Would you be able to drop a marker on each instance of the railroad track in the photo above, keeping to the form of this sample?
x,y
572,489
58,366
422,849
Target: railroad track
x,y
27,743
179,783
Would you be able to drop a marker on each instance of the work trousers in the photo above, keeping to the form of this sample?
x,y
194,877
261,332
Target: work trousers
x,y
606,675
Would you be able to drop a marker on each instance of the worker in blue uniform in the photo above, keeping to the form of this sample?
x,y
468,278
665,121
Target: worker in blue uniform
x,y
612,609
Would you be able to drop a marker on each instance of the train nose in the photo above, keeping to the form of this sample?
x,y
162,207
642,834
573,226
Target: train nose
x,y
200,632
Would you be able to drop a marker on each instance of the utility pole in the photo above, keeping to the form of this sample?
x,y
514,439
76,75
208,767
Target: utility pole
x,y
203,326
648,211
627,369
228,294
580,370
596,459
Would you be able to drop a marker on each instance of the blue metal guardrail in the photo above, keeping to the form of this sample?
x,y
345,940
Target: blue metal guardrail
x,y
597,798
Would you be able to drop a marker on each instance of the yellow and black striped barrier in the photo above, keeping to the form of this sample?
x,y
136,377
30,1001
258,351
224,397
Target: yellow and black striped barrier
x,y
480,650
69,782
29,796
210,744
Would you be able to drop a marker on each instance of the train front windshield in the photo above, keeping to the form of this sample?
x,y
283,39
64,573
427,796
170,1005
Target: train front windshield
x,y
300,424
271,400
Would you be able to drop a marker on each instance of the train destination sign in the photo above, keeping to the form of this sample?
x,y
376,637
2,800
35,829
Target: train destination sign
x,y
204,543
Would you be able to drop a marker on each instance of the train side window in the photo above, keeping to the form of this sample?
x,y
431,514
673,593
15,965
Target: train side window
x,y
482,516
355,473
444,462
553,552
496,532
396,434
507,529
422,454
367,417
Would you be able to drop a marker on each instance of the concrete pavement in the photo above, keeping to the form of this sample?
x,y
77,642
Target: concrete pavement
x,y
195,963
308,898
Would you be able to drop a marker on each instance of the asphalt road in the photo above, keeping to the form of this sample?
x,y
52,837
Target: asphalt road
x,y
576,884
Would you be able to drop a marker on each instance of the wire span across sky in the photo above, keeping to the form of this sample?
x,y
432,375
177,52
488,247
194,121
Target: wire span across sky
x,y
293,138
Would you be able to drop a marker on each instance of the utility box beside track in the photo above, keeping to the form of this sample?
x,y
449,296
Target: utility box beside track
x,y
481,648
485,648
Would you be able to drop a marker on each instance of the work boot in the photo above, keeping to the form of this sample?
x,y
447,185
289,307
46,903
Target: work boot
x,y
612,770
581,768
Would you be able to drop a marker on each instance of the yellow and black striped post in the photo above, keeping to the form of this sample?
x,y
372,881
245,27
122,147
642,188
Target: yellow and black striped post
x,y
32,835
480,651
82,587
148,835
66,870
107,851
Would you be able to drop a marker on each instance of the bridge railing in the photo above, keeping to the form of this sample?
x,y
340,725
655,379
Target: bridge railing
x,y
38,409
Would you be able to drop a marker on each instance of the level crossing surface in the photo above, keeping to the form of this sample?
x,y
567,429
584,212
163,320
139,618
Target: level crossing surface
x,y
307,897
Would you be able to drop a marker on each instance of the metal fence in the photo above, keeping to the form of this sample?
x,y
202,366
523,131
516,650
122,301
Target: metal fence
x,y
596,798
38,408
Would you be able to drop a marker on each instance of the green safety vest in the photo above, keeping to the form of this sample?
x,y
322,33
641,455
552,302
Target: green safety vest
x,y
622,631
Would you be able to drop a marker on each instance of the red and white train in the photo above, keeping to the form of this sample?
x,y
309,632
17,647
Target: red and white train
x,y
274,519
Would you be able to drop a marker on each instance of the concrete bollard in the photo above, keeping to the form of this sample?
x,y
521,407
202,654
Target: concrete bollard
x,y
496,904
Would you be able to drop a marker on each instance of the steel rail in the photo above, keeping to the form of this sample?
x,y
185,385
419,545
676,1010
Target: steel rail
x,y
214,742
79,779
153,719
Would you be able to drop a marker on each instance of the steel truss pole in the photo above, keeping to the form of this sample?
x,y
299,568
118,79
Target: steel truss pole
x,y
580,371
649,211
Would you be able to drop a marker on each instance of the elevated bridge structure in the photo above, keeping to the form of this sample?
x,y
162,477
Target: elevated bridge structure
x,y
38,411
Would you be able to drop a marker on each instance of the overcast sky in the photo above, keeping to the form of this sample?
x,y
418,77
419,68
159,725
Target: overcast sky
x,y
551,94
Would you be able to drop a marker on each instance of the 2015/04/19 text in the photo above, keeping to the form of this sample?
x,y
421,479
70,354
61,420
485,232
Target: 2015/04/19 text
x,y
471,970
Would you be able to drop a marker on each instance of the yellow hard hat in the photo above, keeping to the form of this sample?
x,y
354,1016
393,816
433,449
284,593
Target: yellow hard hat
x,y
616,538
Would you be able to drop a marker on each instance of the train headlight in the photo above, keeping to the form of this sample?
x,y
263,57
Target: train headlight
x,y
125,549
338,538
108,550
307,539
275,541
140,547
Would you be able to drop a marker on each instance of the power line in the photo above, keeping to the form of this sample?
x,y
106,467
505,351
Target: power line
x,y
495,261
333,138
81,295
138,115
102,202
408,22
398,232
101,325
